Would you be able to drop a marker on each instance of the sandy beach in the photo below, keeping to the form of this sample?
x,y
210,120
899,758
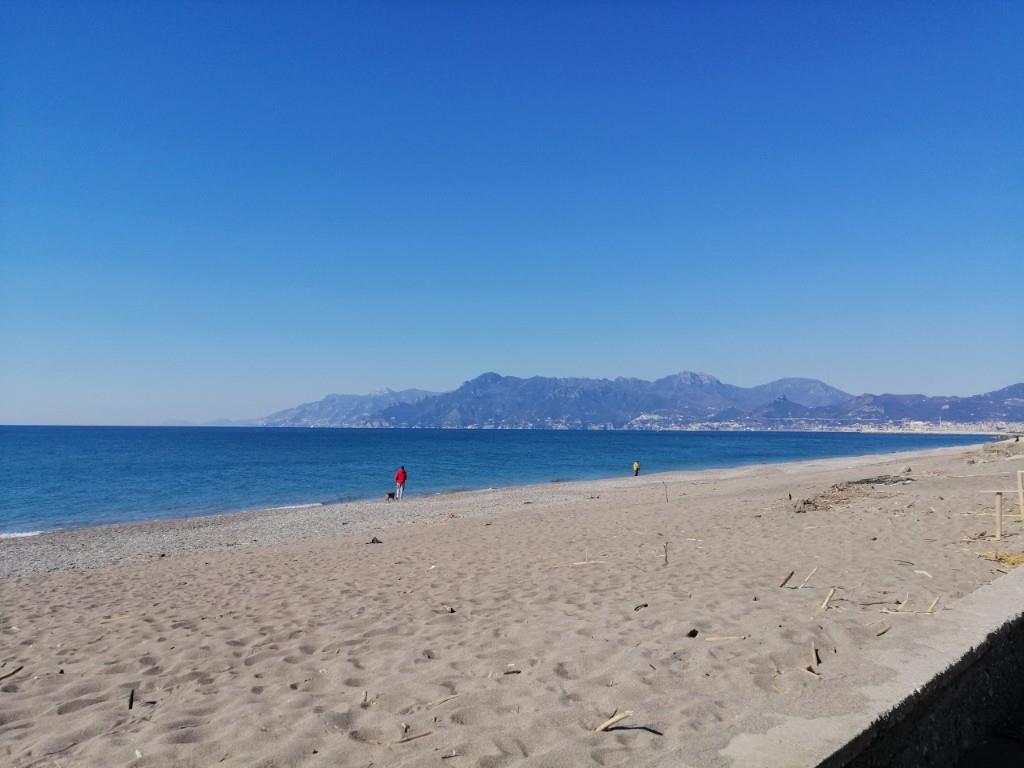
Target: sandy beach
x,y
497,627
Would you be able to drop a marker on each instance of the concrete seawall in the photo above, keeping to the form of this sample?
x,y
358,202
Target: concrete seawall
x,y
979,660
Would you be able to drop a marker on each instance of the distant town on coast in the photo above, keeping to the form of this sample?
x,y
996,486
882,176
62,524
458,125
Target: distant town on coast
x,y
684,402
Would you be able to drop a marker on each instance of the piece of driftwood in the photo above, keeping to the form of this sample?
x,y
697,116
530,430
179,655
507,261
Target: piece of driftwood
x,y
12,673
785,581
446,698
613,720
825,602
131,699
716,638
413,737
808,578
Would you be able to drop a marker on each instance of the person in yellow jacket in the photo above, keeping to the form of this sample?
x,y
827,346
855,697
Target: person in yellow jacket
x,y
636,468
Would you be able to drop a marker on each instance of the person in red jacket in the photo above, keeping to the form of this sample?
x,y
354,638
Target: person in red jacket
x,y
400,477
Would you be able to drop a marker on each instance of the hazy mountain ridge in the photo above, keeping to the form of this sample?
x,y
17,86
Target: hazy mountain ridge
x,y
342,410
677,401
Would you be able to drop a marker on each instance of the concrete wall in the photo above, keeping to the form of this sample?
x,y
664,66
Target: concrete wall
x,y
956,709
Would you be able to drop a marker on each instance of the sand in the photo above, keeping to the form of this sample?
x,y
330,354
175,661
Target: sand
x,y
496,627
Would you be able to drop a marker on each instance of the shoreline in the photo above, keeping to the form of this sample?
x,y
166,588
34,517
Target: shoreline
x,y
758,616
91,546
301,504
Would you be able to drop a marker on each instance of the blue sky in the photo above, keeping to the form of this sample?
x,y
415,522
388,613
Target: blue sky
x,y
219,210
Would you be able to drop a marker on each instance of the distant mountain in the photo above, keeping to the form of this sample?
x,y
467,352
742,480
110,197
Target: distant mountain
x,y
680,401
343,410
492,400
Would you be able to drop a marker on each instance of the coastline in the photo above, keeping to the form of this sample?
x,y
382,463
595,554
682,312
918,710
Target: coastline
x,y
96,507
501,627
91,546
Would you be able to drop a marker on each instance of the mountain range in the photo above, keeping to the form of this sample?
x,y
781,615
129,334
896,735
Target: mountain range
x,y
680,401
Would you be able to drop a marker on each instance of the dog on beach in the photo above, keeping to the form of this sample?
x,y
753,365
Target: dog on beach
x,y
390,496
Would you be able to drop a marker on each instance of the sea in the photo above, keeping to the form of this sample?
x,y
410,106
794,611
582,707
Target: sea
x,y
71,477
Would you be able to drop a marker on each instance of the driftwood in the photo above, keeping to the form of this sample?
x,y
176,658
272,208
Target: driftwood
x,y
824,604
443,700
413,737
808,578
12,673
613,720
785,581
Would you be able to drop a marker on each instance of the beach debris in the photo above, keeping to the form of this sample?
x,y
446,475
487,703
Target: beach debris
x,y
812,672
366,700
131,699
375,540
785,581
447,609
12,673
882,630
138,754
900,608
615,718
638,607
718,638
666,552
444,699
825,602
450,755
1006,558
924,573
512,672
815,656
692,633
413,737
666,491
808,578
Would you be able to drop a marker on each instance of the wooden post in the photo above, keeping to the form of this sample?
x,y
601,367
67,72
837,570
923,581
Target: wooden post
x,y
999,515
1020,493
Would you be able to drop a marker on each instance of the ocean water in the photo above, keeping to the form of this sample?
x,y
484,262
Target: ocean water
x,y
69,477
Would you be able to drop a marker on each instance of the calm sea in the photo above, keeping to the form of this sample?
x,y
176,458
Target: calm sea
x,y
69,477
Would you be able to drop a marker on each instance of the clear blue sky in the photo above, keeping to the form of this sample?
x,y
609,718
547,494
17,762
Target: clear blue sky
x,y
221,209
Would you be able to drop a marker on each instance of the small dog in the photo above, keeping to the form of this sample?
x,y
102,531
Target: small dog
x,y
390,496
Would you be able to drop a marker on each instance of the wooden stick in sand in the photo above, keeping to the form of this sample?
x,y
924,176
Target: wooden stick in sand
x,y
804,582
411,738
785,581
613,720
446,698
666,553
824,605
1020,493
12,673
